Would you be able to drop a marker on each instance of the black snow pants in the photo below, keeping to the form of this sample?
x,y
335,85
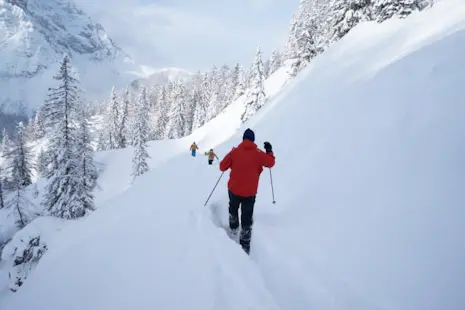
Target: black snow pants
x,y
210,161
247,205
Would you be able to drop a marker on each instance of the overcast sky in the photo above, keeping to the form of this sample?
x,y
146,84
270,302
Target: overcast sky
x,y
193,34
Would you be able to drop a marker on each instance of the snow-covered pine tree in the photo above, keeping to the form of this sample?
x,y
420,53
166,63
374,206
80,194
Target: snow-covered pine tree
x,y
2,198
39,126
191,101
153,93
255,96
122,137
178,113
86,168
197,78
5,142
20,156
152,97
233,82
112,120
29,129
42,164
212,93
102,142
242,82
290,48
201,107
308,36
163,116
20,206
60,193
48,112
223,89
196,99
140,134
275,61
386,9
346,14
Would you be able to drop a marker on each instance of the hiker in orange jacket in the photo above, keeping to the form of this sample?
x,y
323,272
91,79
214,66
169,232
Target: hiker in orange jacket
x,y
194,149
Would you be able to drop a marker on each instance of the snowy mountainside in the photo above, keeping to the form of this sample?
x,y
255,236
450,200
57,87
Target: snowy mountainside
x,y
34,37
211,134
368,182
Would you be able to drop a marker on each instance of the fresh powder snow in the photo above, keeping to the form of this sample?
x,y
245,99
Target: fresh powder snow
x,y
368,181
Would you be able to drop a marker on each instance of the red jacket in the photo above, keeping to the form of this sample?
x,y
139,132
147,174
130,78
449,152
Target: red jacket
x,y
246,163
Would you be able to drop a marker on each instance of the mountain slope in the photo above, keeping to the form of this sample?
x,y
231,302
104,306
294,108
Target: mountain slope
x,y
34,37
369,189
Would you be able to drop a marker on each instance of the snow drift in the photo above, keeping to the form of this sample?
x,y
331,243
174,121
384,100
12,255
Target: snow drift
x,y
369,184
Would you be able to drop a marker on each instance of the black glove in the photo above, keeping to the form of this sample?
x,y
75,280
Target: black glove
x,y
268,147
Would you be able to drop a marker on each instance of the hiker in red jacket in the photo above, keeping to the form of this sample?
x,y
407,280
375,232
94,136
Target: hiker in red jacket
x,y
246,162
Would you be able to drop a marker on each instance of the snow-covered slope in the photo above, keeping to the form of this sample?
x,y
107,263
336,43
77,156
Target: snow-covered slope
x,y
369,189
34,36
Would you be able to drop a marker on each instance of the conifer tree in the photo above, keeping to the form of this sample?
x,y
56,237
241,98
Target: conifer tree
x,y
223,86
140,133
386,9
20,206
87,171
20,159
212,94
309,34
102,142
234,79
123,125
42,164
163,116
2,198
5,142
196,98
20,156
242,82
179,112
39,126
200,112
61,198
346,14
255,96
112,121
275,61
29,129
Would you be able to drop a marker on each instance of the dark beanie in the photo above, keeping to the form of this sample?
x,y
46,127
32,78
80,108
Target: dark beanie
x,y
249,135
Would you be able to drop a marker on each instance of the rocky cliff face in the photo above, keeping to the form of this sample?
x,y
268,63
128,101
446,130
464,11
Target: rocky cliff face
x,y
34,36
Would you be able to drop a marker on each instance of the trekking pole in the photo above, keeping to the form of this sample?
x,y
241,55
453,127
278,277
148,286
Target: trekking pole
x,y
214,189
272,187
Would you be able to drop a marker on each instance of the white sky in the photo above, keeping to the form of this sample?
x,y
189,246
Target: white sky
x,y
193,34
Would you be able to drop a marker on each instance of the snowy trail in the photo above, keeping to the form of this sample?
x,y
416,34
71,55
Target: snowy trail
x,y
289,271
292,273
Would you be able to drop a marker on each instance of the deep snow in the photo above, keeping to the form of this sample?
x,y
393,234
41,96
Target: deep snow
x,y
368,183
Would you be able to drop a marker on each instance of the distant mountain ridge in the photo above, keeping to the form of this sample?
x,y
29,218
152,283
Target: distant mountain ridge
x,y
34,36
163,77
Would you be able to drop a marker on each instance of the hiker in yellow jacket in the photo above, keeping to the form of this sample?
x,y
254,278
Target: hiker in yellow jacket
x,y
211,156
